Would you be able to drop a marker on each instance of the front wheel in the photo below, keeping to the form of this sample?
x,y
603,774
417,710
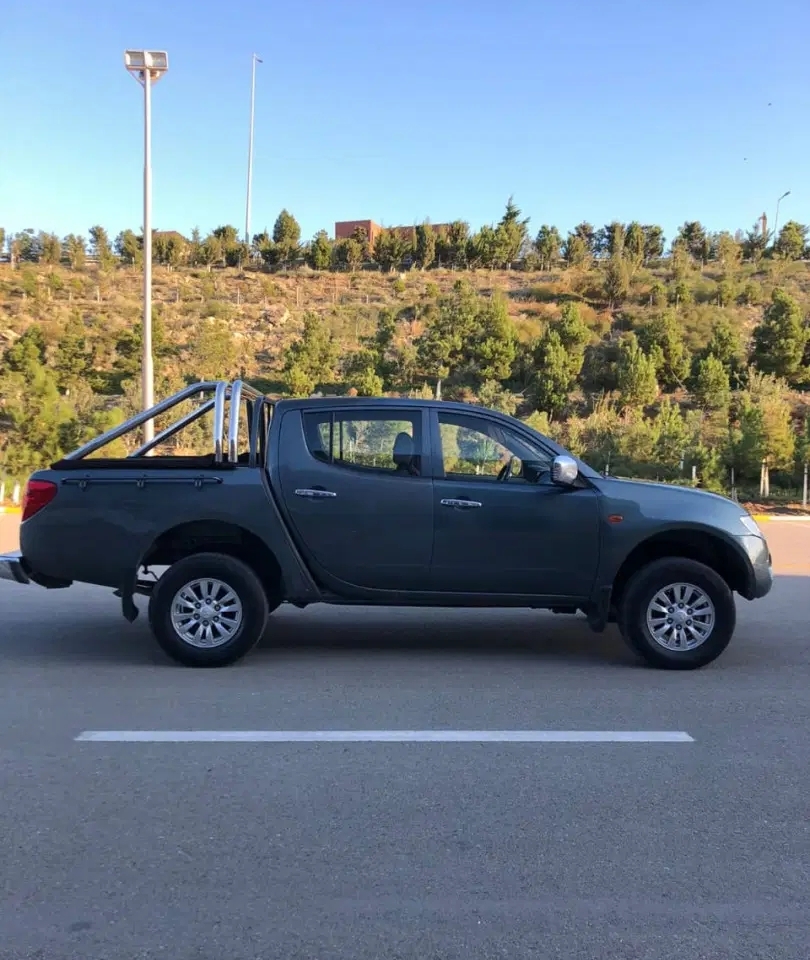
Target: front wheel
x,y
208,610
677,614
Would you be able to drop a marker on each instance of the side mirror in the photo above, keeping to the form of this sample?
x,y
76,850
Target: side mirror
x,y
564,471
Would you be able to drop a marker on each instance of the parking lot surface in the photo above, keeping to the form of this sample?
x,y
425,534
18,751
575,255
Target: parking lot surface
x,y
385,846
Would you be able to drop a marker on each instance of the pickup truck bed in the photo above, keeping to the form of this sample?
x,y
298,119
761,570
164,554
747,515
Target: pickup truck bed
x,y
381,501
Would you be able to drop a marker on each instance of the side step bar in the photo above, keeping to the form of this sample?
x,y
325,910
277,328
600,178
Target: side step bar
x,y
11,568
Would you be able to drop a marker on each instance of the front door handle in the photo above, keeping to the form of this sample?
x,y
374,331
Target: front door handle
x,y
315,494
462,504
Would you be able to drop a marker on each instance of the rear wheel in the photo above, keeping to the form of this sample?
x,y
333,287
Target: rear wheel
x,y
208,610
677,614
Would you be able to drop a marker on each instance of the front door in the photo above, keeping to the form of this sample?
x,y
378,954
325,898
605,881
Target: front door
x,y
356,483
503,528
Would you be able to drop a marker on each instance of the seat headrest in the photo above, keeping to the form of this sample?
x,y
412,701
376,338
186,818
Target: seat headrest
x,y
403,446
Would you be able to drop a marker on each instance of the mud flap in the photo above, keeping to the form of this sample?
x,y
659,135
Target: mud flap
x,y
599,613
126,593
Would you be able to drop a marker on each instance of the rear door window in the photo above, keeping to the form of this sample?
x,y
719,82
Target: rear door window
x,y
369,440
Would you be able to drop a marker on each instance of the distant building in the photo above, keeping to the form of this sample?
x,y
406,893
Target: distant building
x,y
344,229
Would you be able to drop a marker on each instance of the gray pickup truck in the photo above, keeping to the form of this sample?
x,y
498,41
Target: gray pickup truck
x,y
381,501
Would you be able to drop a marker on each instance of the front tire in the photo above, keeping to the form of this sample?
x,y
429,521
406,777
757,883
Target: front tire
x,y
677,614
208,610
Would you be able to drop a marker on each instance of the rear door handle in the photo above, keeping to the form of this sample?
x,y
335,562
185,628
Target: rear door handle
x,y
315,494
462,504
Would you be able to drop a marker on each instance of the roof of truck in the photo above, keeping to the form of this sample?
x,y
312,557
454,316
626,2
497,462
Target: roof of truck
x,y
331,401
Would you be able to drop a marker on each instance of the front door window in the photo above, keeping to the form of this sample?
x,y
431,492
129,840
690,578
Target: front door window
x,y
474,448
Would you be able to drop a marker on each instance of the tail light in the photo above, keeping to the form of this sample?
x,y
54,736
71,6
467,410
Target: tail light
x,y
38,494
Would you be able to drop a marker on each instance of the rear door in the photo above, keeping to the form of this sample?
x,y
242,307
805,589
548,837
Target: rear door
x,y
356,482
501,526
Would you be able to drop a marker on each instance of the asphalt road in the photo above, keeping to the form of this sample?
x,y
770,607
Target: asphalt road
x,y
240,851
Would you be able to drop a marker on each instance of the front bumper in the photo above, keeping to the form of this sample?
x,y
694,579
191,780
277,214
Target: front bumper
x,y
761,571
12,567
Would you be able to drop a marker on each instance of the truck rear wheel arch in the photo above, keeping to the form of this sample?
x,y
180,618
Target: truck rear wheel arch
x,y
705,548
217,536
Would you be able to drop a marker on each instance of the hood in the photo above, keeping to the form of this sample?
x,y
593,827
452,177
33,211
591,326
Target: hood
x,y
670,502
650,487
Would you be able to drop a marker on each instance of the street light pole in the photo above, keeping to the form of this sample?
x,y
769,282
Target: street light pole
x,y
776,218
147,66
147,365
250,148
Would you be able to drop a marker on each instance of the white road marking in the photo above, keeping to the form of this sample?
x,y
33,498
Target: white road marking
x,y
385,736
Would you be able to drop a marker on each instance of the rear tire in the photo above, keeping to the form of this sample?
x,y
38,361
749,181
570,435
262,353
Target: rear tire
x,y
677,614
208,610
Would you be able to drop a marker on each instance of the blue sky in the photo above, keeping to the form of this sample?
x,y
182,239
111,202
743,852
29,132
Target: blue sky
x,y
589,109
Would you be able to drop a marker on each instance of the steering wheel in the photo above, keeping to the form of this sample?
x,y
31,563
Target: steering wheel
x,y
506,470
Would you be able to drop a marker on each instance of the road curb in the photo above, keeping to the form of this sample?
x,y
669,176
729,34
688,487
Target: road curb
x,y
772,518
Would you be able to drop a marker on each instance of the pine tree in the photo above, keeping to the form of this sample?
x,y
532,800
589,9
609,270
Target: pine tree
x,y
510,235
491,350
792,241
286,235
319,256
310,360
712,388
76,251
636,375
779,340
617,281
27,353
50,248
100,246
425,246
662,339
129,247
548,245
575,250
634,243
440,348
73,359
558,357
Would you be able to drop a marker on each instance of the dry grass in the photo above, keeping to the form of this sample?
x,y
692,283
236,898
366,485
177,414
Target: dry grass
x,y
264,311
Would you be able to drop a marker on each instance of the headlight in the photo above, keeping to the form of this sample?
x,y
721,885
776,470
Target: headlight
x,y
750,524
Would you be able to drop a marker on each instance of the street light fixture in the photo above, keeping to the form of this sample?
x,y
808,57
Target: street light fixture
x,y
776,218
147,66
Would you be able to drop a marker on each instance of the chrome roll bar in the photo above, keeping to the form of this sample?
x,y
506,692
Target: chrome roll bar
x,y
223,392
219,419
115,432
252,404
174,428
233,421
